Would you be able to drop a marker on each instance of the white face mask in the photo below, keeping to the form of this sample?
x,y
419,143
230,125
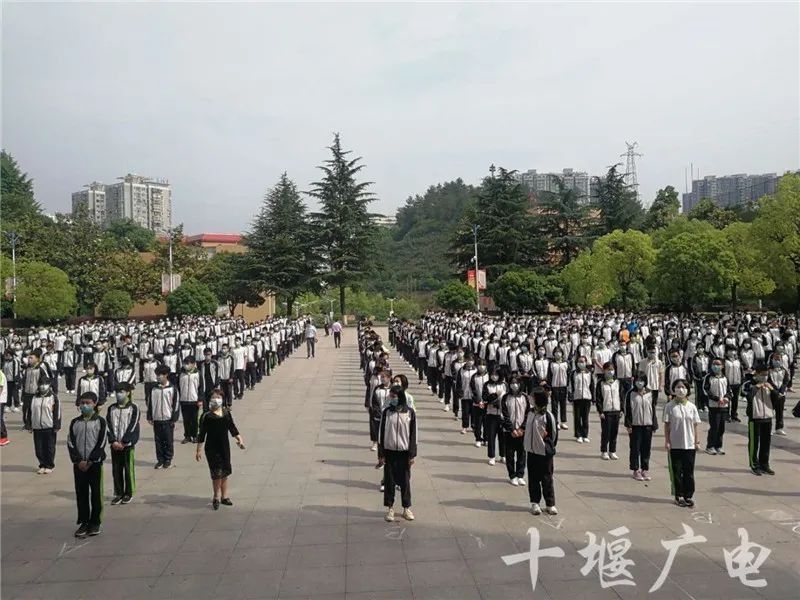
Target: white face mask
x,y
215,402
680,392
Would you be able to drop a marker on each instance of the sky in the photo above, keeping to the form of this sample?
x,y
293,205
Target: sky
x,y
221,98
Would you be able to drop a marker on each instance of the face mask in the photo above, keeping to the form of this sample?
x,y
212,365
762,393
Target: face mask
x,y
540,408
776,363
495,377
540,353
468,364
122,398
393,401
640,385
44,389
557,356
90,372
746,346
609,375
623,349
515,387
87,409
581,364
759,378
215,402
481,369
674,360
651,354
716,368
680,392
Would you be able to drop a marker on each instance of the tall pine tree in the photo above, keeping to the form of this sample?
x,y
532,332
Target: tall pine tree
x,y
619,207
346,232
282,258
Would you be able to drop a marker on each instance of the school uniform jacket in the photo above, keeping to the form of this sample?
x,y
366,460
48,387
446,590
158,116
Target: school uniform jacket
x,y
123,424
514,409
94,384
759,402
398,431
163,404
493,392
206,384
87,439
607,396
558,374
538,428
581,386
45,411
640,409
189,386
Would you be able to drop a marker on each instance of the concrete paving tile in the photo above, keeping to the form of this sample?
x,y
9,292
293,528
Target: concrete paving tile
x,y
324,555
137,566
312,582
372,578
439,573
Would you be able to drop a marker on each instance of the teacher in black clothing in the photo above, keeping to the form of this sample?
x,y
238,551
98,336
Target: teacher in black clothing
x,y
215,426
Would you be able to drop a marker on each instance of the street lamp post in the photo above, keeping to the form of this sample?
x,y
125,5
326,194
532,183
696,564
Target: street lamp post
x,y
13,239
169,233
475,258
391,305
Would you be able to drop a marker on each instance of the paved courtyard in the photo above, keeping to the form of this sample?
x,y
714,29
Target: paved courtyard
x,y
308,517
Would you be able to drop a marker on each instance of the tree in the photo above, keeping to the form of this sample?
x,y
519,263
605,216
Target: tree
x,y
664,209
749,276
777,228
126,270
692,270
707,210
191,298
516,291
344,227
188,261
44,293
456,295
566,223
504,239
586,282
619,207
282,248
130,235
680,225
116,304
629,258
226,275
16,191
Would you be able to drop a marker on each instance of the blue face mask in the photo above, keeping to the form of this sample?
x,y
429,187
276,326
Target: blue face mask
x,y
87,409
393,401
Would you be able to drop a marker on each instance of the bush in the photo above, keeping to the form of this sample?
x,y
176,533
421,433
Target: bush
x,y
192,298
515,291
44,293
116,304
456,296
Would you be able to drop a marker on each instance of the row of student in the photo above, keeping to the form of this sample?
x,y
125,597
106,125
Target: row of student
x,y
234,369
495,405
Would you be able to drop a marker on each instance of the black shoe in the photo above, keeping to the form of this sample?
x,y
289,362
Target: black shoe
x,y
767,470
95,530
127,499
185,441
215,504
82,531
168,464
689,502
194,440
227,502
680,502
116,500
736,419
159,465
755,471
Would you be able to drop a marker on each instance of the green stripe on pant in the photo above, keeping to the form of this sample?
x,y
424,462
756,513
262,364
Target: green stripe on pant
x,y
131,472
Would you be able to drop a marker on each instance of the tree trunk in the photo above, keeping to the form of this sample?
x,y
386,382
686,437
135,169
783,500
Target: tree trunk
x,y
289,306
734,289
797,305
341,301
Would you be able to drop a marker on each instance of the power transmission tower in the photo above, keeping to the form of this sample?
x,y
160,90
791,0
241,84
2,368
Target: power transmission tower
x,y
630,167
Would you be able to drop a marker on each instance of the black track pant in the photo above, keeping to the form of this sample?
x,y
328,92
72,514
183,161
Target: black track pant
x,y
681,468
580,414
758,442
448,389
641,439
44,444
609,428
540,479
238,383
515,456
189,413
122,468
433,378
69,378
89,494
559,404
493,431
227,392
778,402
478,416
716,427
163,433
396,471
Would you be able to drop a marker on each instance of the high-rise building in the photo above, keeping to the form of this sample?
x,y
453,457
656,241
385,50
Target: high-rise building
x,y
146,201
94,199
580,181
729,190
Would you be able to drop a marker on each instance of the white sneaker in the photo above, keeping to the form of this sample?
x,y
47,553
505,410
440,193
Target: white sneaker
x,y
42,470
446,408
477,444
15,409
491,461
389,516
502,459
563,426
710,451
604,455
514,481
521,481
551,510
48,471
579,440
441,400
780,432
484,444
586,440
613,456
536,509
373,447
463,432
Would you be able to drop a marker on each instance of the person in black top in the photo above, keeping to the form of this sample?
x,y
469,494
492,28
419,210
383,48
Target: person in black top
x,y
215,426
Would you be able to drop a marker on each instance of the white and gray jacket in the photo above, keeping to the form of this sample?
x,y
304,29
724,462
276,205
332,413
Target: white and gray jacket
x,y
87,439
398,430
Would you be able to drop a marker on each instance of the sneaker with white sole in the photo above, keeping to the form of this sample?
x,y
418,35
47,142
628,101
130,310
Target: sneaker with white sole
x,y
711,451
536,509
646,475
491,461
40,471
407,514
579,440
514,481
637,475
502,459
780,432
604,455
521,481
720,451
477,444
373,447
389,518
446,408
613,456
551,510
586,440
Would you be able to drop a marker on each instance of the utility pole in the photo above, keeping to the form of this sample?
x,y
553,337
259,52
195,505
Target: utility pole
x,y
391,305
13,239
475,259
630,168
169,233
